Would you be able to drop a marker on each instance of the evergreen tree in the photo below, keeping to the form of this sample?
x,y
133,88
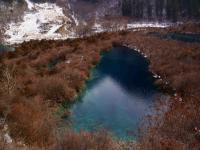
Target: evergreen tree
x,y
154,9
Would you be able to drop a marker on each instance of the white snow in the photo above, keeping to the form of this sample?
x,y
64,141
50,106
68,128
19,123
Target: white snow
x,y
30,5
98,28
156,76
180,99
147,24
75,19
68,62
7,138
73,15
41,21
135,26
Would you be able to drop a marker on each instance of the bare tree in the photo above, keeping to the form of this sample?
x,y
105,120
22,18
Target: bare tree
x,y
7,80
84,29
115,24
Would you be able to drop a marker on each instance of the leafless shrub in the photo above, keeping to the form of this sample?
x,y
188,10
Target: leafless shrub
x,y
31,121
54,89
7,80
83,30
86,140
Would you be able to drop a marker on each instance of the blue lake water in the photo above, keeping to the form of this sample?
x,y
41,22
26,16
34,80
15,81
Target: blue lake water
x,y
117,96
191,38
184,37
4,48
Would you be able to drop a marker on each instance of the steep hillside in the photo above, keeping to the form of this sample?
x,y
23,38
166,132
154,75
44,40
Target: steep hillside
x,y
22,20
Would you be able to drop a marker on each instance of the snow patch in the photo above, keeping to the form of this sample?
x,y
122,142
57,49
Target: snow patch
x,y
75,19
147,24
135,26
30,4
98,28
7,138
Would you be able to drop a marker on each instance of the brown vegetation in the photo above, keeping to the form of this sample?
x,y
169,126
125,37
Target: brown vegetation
x,y
31,121
40,74
84,141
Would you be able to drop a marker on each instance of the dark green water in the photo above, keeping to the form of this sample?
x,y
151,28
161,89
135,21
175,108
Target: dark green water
x,y
184,37
4,48
118,95
191,38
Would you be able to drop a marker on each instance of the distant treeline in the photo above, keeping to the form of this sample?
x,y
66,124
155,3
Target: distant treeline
x,y
23,1
161,9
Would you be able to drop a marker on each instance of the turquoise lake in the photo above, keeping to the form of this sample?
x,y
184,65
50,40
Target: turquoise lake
x,y
117,96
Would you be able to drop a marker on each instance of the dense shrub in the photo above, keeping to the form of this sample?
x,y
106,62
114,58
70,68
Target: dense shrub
x,y
54,89
86,141
177,129
31,121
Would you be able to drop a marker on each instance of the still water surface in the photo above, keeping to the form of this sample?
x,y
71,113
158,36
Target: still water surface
x,y
117,96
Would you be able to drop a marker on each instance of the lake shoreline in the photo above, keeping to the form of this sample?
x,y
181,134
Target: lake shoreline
x,y
116,72
77,60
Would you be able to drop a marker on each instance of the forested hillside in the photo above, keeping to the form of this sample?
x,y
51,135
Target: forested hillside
x,y
161,9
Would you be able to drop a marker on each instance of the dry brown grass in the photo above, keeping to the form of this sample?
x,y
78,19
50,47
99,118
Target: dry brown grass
x,y
37,86
85,141
177,129
54,89
31,121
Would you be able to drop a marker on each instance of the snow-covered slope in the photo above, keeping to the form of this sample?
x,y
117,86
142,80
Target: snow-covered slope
x,y
41,21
